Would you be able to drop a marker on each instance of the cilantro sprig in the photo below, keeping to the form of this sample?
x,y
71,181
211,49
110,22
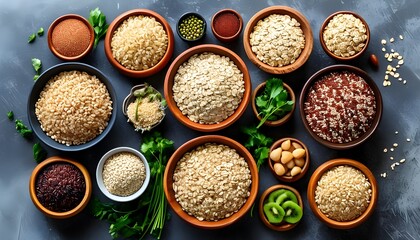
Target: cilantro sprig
x,y
258,144
98,21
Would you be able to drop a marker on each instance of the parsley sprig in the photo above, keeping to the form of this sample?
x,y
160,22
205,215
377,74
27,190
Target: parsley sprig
x,y
258,144
98,21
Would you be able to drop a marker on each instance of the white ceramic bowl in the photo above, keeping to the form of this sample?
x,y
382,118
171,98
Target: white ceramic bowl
x,y
100,181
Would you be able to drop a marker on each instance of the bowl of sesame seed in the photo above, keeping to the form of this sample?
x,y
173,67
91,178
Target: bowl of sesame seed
x,y
340,106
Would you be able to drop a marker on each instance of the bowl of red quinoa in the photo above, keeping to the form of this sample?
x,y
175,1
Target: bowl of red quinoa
x,y
123,174
139,43
211,181
342,193
341,106
60,187
72,106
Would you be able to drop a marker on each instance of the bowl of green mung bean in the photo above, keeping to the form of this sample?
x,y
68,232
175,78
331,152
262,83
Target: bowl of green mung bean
x,y
191,27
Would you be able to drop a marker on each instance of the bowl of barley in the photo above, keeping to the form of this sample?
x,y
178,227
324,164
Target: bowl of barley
x,y
207,87
139,43
344,35
342,193
278,39
72,106
211,181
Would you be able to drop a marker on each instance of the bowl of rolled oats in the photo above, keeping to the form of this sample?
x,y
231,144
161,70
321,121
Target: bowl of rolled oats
x,y
344,35
278,39
207,87
340,106
211,181
139,43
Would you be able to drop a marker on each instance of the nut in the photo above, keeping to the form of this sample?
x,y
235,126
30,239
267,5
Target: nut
x,y
285,145
374,61
279,169
286,157
276,154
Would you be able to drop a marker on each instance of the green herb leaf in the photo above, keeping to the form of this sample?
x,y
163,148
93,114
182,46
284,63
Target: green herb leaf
x,y
40,32
258,144
22,129
36,64
10,115
36,76
39,153
98,21
31,38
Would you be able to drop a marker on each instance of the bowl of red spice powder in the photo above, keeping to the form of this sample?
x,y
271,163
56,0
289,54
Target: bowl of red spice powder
x,y
60,187
226,25
341,106
70,37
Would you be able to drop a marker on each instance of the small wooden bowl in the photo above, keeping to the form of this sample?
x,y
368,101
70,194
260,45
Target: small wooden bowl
x,y
186,15
135,73
280,121
338,68
58,21
305,167
169,82
324,46
187,147
215,20
60,215
313,182
283,226
305,26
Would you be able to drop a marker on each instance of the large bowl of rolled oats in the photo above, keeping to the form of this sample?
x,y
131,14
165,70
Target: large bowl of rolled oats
x,y
278,39
207,87
211,181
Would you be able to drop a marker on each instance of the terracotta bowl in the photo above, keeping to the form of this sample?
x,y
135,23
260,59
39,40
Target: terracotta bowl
x,y
169,82
282,226
187,147
282,10
324,46
182,18
313,182
139,73
60,215
280,121
57,52
338,68
218,20
305,167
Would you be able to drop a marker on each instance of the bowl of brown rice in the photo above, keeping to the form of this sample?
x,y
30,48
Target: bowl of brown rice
x,y
72,106
211,181
278,39
342,193
207,87
340,106
139,43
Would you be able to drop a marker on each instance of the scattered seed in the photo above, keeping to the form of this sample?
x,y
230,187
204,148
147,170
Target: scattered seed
x,y
383,41
401,37
397,164
389,59
391,40
392,50
408,140
386,77
383,49
389,67
405,82
399,57
401,62
395,144
391,149
396,132
391,158
400,79
402,160
396,75
374,60
386,55
385,150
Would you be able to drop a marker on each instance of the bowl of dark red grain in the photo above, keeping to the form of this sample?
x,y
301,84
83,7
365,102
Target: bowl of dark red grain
x,y
226,25
123,174
211,181
70,37
342,193
139,43
278,39
340,106
60,187
344,35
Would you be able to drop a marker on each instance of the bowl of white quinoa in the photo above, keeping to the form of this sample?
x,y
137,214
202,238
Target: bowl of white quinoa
x,y
207,87
211,181
139,43
340,106
72,106
342,193
123,174
278,39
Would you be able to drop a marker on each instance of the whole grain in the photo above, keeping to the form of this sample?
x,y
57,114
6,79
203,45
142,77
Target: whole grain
x,y
149,113
212,182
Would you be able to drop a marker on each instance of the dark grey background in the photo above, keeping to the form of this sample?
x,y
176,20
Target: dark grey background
x,y
397,215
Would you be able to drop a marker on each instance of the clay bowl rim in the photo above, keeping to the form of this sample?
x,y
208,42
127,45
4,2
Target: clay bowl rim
x,y
305,167
305,26
282,120
60,215
266,193
378,97
230,38
192,144
59,20
324,46
162,62
169,81
313,184
184,16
